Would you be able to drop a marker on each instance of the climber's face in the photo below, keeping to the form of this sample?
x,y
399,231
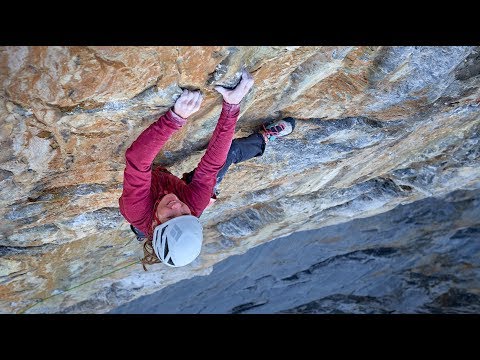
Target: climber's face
x,y
169,207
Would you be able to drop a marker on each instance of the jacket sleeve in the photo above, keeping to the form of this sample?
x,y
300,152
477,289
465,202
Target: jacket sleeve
x,y
205,176
136,202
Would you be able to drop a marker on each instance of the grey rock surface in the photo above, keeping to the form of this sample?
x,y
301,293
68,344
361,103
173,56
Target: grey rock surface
x,y
377,127
423,257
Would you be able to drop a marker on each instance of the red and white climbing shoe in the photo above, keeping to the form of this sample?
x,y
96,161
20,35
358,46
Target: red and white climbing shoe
x,y
278,129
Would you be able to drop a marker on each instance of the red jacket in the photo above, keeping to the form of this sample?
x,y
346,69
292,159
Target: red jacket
x,y
142,186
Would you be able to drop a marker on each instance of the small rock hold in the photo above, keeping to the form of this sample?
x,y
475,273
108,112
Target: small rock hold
x,y
10,106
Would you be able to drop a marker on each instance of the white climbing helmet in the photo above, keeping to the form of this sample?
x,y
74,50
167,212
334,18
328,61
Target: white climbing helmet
x,y
178,241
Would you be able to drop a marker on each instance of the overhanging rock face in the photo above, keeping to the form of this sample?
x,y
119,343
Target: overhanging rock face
x,y
377,127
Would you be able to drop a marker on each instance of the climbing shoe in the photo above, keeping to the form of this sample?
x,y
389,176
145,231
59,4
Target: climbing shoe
x,y
278,129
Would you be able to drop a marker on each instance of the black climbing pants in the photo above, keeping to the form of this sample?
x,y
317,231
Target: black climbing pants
x,y
242,149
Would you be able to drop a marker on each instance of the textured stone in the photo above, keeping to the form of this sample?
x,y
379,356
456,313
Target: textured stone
x,y
377,127
8,267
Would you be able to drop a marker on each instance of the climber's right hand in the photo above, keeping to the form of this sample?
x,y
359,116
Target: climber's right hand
x,y
188,103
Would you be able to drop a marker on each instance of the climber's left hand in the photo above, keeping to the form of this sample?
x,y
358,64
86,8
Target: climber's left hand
x,y
188,103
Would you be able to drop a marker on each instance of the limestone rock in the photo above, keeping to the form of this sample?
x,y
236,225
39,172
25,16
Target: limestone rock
x,y
378,127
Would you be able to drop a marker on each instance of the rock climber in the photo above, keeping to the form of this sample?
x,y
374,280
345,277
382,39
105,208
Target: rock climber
x,y
162,209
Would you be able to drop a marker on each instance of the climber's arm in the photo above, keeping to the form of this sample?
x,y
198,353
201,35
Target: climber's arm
x,y
205,176
136,202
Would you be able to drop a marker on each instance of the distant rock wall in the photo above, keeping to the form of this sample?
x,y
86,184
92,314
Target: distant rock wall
x,y
378,127
421,257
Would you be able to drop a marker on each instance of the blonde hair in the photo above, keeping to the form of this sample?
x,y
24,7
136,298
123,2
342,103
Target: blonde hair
x,y
149,256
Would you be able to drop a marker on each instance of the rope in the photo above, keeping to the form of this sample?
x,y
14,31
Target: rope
x,y
76,286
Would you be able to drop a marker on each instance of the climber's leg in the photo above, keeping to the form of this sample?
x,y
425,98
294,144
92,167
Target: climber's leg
x,y
242,149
